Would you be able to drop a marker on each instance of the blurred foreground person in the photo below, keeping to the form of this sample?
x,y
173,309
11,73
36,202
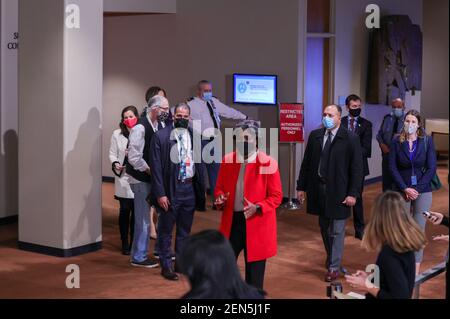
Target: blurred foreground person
x,y
209,263
394,233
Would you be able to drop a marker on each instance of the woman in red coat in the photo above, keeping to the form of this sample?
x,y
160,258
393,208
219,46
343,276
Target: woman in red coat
x,y
248,190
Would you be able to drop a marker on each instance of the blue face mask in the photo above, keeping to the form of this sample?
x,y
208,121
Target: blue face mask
x,y
207,96
398,112
328,122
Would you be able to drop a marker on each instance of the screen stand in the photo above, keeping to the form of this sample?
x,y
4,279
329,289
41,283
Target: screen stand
x,y
291,204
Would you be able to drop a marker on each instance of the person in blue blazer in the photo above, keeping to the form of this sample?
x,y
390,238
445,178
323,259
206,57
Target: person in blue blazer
x,y
178,187
412,163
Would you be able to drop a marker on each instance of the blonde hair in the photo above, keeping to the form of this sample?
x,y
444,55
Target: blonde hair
x,y
420,132
391,224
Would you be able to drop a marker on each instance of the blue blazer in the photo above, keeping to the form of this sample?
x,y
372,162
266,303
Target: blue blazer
x,y
424,164
165,172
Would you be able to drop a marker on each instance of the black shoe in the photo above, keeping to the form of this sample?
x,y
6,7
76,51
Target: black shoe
x,y
169,274
148,263
125,248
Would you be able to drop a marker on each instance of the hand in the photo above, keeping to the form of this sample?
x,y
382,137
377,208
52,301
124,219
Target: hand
x,y
358,280
411,193
349,201
441,238
148,172
436,218
118,167
220,201
301,196
384,148
164,203
250,208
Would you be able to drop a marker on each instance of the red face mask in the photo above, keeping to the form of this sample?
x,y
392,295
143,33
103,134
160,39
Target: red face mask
x,y
130,123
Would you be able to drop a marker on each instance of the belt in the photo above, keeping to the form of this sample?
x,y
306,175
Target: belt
x,y
186,181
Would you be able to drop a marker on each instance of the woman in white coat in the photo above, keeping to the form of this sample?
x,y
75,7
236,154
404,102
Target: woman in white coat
x,y
123,193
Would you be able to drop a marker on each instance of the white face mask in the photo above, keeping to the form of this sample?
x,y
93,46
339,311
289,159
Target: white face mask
x,y
411,128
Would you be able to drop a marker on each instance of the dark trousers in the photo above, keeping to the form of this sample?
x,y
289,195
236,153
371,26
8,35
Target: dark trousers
x,y
254,271
211,168
358,214
181,214
386,174
126,220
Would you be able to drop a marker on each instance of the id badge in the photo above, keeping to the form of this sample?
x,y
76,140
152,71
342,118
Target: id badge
x,y
413,180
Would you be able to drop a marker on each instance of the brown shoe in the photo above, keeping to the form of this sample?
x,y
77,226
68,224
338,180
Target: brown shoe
x,y
331,276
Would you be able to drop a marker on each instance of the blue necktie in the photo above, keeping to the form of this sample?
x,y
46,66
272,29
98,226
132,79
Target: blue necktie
x,y
182,173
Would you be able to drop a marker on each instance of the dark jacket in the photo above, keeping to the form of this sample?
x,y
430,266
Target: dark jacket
x,y
143,176
345,173
165,172
364,130
397,274
386,133
424,164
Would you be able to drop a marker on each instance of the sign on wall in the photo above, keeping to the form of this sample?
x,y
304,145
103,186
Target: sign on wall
x,y
291,122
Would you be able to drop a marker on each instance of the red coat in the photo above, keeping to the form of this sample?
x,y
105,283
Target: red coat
x,y
263,189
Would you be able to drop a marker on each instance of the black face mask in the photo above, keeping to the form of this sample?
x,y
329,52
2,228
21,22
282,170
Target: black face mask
x,y
163,116
181,123
248,148
355,112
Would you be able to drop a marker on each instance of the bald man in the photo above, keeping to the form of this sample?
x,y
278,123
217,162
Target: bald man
x,y
391,126
330,179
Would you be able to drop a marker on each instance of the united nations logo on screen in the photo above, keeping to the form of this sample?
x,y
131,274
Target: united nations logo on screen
x,y
242,87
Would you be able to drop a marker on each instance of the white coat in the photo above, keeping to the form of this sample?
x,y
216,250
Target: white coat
x,y
117,154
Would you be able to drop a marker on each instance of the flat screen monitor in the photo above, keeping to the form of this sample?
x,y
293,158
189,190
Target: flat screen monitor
x,y
254,89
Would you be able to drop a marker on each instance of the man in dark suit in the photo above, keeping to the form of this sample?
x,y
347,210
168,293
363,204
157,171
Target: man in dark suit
x,y
330,178
177,184
363,128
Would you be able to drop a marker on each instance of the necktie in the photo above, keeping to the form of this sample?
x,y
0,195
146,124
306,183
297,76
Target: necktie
x,y
352,124
211,112
324,157
182,173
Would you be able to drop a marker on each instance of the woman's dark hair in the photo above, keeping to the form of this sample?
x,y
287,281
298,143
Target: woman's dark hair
x,y
123,127
209,263
152,91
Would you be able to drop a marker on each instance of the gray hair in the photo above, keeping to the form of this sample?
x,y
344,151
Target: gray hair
x,y
156,101
182,106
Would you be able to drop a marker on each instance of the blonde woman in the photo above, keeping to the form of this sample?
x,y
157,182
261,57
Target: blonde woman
x,y
412,162
394,233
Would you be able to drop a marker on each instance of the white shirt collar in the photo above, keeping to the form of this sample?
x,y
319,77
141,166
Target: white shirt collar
x,y
333,131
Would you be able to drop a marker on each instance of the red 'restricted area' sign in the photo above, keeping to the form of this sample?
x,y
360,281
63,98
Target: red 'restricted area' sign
x,y
291,122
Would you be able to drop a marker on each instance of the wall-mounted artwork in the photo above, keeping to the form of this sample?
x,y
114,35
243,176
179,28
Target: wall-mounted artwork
x,y
395,61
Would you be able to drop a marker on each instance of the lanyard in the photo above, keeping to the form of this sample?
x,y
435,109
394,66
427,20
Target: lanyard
x,y
412,155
